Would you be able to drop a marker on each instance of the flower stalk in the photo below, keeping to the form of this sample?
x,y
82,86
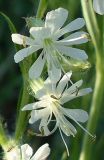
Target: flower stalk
x,y
97,99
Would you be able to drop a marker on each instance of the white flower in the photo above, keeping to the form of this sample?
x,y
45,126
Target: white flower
x,y
98,6
51,98
25,152
47,38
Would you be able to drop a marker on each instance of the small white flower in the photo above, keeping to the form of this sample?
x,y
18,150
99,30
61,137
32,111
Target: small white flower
x,y
25,152
51,98
47,38
98,6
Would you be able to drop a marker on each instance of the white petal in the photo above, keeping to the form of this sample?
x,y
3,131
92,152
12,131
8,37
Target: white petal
x,y
47,88
42,153
75,94
67,127
74,119
56,18
22,40
38,114
52,58
72,52
84,91
71,92
63,82
78,114
13,154
36,105
36,69
54,74
25,52
75,38
26,151
48,85
40,93
40,33
98,6
71,89
44,125
74,25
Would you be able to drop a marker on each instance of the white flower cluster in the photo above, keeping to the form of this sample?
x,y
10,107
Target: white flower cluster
x,y
57,89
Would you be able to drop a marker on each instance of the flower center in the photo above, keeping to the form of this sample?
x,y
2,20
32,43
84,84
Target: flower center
x,y
47,41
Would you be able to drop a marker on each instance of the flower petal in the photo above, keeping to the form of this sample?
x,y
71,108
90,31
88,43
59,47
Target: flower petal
x,y
36,69
44,125
48,85
26,151
63,82
78,114
56,18
66,126
98,6
75,94
36,105
42,153
22,40
84,91
13,154
25,52
38,114
40,93
40,33
70,91
54,74
75,38
72,52
74,25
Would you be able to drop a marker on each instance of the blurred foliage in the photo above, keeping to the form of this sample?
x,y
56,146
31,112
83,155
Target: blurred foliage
x,y
11,80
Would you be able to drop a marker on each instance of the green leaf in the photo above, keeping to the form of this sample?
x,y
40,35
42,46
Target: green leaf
x,y
11,27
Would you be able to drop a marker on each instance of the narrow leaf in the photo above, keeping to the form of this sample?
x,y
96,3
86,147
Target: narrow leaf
x,y
11,27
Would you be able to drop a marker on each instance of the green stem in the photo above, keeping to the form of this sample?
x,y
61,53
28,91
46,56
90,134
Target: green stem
x,y
22,116
41,9
3,137
91,21
94,114
97,99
